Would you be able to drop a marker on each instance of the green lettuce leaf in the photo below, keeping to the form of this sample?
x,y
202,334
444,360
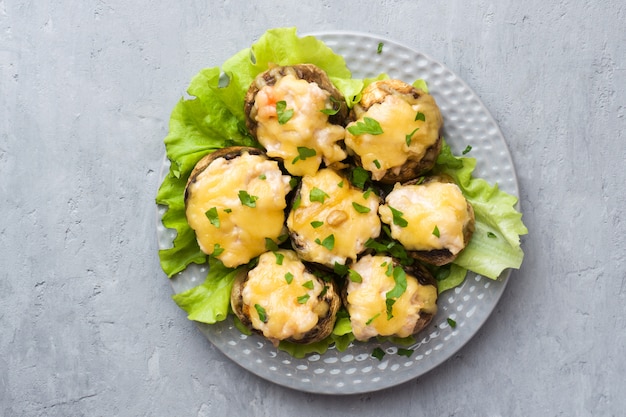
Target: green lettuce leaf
x,y
495,244
210,301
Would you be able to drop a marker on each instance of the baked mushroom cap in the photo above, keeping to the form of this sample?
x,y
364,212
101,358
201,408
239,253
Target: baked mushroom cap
x,y
284,299
226,193
298,115
385,298
430,217
331,220
408,142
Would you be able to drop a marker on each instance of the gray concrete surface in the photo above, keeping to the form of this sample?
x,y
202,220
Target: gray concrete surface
x,y
88,327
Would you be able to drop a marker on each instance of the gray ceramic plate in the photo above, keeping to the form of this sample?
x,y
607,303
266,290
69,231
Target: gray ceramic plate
x,y
466,122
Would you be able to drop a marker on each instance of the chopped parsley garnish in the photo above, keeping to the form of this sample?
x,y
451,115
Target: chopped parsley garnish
x,y
368,125
261,312
308,285
217,250
359,208
227,210
340,185
398,220
410,136
389,302
211,214
270,244
491,235
420,116
333,110
279,258
405,352
318,195
354,276
368,322
340,269
360,176
262,177
293,182
316,224
399,276
304,153
379,49
451,322
283,113
296,203
289,277
247,199
367,193
467,149
303,299
377,163
436,231
378,353
328,242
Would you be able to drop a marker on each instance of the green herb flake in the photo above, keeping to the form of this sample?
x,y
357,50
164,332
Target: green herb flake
x,y
332,111
211,214
217,250
340,185
316,224
304,153
359,208
420,116
318,195
289,277
262,177
410,136
451,322
303,299
293,182
377,163
359,177
371,319
378,353
296,203
436,231
283,113
308,285
379,48
261,312
389,302
340,269
247,199
467,149
279,258
328,242
405,352
398,220
491,235
228,211
355,276
270,244
367,126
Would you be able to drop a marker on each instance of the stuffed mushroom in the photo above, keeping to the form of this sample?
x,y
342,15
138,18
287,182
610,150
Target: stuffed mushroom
x,y
283,299
226,194
384,298
298,115
331,220
430,218
396,134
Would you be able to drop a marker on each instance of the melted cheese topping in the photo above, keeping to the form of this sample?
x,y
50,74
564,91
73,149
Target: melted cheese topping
x,y
396,117
336,216
268,287
424,207
308,127
367,301
239,232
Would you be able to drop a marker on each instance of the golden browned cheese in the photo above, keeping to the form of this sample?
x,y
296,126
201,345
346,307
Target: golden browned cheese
x,y
410,126
308,127
435,214
329,207
216,207
287,295
367,302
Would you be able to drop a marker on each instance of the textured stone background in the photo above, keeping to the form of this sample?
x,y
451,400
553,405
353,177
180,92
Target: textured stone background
x,y
87,323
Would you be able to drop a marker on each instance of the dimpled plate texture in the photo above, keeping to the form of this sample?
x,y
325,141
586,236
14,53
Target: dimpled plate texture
x,y
466,122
